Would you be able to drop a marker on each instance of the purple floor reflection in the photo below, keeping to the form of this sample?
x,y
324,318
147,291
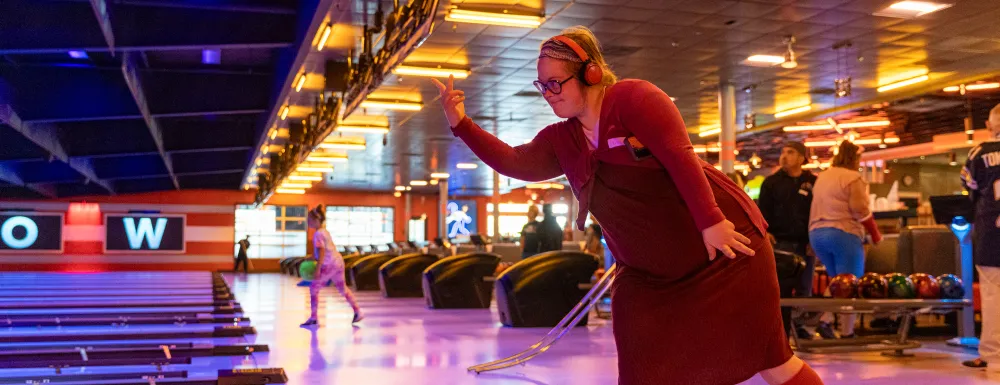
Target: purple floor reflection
x,y
403,342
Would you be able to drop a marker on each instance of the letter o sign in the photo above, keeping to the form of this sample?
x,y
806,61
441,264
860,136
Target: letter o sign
x,y
7,232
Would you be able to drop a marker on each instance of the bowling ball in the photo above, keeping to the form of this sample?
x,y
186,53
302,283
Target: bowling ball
x,y
307,270
844,286
900,286
927,286
951,286
873,286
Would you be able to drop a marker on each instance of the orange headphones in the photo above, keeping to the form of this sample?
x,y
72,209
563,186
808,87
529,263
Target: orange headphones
x,y
591,73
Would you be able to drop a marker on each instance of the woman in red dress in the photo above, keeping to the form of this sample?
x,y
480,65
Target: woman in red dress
x,y
681,315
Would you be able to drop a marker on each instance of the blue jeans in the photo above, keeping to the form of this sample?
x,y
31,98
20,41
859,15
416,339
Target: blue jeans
x,y
841,252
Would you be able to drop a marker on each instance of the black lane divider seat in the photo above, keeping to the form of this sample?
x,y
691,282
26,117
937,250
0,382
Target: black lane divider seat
x,y
458,282
401,277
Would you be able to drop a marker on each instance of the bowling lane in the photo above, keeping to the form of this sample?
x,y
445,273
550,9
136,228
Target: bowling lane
x,y
108,310
112,300
4,294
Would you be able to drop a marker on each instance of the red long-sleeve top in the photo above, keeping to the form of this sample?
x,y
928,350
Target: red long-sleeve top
x,y
630,107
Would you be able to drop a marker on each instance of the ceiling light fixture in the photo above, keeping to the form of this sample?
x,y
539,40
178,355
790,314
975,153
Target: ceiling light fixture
x,y
273,134
295,185
504,18
324,37
311,177
770,60
416,183
314,167
290,191
440,175
284,112
828,126
392,105
911,8
545,186
327,157
466,166
400,188
434,72
904,83
434,182
300,83
793,111
343,144
704,133
788,61
362,129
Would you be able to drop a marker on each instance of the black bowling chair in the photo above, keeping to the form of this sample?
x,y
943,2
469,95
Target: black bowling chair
x,y
348,263
885,258
400,277
932,249
539,291
364,271
457,282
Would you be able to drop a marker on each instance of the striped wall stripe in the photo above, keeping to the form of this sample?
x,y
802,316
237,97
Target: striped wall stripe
x,y
125,207
222,234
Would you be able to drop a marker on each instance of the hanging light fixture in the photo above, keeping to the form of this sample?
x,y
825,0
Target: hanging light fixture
x,y
789,53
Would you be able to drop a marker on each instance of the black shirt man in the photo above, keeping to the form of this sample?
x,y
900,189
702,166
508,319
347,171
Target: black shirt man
x,y
785,198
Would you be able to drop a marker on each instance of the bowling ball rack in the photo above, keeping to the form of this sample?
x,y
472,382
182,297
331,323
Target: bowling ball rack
x,y
890,345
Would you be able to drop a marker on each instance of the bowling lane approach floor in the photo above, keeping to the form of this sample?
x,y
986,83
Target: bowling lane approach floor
x,y
403,342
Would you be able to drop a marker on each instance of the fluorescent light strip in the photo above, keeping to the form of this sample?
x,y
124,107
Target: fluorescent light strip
x,y
284,113
821,143
920,7
362,129
332,158
769,59
324,37
982,86
440,175
430,72
300,83
813,127
418,183
342,146
710,132
504,19
304,178
294,185
792,111
821,127
904,83
290,191
273,134
400,188
816,165
399,106
314,168
466,166
873,123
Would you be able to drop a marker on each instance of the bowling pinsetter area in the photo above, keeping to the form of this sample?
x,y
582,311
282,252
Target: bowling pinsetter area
x,y
497,192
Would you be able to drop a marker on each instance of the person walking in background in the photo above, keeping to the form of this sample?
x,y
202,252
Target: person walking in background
x,y
531,241
592,238
981,177
838,219
551,234
241,255
785,200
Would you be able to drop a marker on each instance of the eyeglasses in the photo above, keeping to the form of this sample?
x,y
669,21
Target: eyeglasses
x,y
552,85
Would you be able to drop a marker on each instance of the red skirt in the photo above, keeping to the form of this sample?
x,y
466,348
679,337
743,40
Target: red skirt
x,y
678,318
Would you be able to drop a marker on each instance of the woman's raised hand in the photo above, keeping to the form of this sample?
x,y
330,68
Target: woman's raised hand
x,y
452,100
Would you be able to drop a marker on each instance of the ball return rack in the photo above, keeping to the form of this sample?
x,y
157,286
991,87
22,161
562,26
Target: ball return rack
x,y
890,345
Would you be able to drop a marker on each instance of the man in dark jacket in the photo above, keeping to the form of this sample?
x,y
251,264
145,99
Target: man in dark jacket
x,y
785,198
549,231
981,177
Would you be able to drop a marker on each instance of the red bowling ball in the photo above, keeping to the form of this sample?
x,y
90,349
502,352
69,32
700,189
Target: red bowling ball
x,y
844,286
927,286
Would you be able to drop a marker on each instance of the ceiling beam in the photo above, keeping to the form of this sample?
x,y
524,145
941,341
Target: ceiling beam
x,y
170,115
146,48
47,137
194,173
130,71
9,175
